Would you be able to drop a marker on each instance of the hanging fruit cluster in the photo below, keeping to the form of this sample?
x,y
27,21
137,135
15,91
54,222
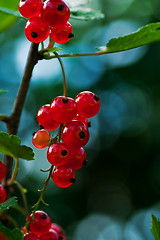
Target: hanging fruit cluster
x,y
48,18
66,151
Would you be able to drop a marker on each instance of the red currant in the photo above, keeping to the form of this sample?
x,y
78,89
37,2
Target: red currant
x,y
77,158
41,223
63,109
55,12
58,154
75,134
31,236
63,176
41,139
2,171
81,119
59,230
36,30
51,235
44,118
2,194
30,8
88,104
62,33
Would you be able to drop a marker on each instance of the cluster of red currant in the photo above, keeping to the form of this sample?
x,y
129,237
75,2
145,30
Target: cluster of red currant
x,y
41,228
72,116
48,18
2,175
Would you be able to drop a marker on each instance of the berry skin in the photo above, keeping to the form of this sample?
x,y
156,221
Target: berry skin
x,y
63,109
63,176
41,139
75,134
2,171
36,30
77,158
31,236
41,223
62,34
51,235
59,230
55,12
81,119
2,194
44,118
58,154
30,8
88,104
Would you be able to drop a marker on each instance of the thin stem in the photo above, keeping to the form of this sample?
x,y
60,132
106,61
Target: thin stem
x,y
15,172
64,76
51,43
4,118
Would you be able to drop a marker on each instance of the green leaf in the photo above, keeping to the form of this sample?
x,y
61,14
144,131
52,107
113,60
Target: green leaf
x,y
155,227
145,35
9,203
52,50
10,145
15,234
11,12
3,91
86,14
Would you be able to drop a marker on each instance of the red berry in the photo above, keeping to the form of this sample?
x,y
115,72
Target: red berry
x,y
41,223
2,194
41,139
2,171
63,176
63,109
75,134
36,30
77,158
51,235
59,230
62,34
81,119
45,119
58,154
30,8
31,236
55,12
88,104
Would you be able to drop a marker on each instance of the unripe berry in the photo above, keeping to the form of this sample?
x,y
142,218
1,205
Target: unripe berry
x,y
36,30
55,12
2,171
51,235
63,177
59,230
2,194
41,139
63,109
45,119
62,33
31,236
41,223
30,8
88,104
58,154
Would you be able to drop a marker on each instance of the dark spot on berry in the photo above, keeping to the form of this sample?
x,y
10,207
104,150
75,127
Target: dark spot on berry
x,y
82,135
33,134
23,0
64,152
61,238
71,35
89,124
96,98
85,162
73,180
65,100
34,34
43,216
60,7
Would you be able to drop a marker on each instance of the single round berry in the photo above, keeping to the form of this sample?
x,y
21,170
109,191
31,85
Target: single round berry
x,y
41,223
31,236
30,8
81,119
2,171
51,235
63,109
88,104
75,134
59,230
63,176
76,159
58,154
41,139
2,194
62,33
45,119
36,30
55,12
